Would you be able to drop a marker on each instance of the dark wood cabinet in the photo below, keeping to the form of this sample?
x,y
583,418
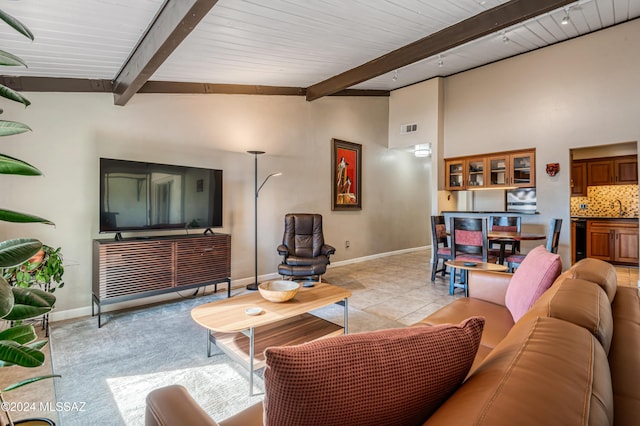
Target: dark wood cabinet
x,y
600,172
579,179
614,241
626,170
613,171
134,268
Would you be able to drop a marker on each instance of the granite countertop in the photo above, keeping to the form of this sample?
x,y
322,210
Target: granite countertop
x,y
606,217
489,212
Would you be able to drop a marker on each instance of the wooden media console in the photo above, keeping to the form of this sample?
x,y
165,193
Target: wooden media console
x,y
134,268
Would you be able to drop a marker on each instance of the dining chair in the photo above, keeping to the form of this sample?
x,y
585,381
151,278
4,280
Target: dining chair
x,y
504,223
553,239
468,243
439,246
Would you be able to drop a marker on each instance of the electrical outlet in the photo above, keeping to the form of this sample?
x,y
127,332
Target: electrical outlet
x,y
583,206
347,244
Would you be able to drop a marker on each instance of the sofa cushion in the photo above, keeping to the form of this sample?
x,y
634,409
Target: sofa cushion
x,y
387,377
581,302
624,357
535,274
545,372
597,271
497,321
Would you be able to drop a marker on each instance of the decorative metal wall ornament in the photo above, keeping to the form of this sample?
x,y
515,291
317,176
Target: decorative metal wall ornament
x,y
553,169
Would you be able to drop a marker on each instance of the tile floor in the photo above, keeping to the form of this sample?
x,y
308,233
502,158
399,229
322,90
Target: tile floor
x,y
627,276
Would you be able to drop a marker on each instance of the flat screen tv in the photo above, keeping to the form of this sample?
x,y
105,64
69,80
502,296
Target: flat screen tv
x,y
138,196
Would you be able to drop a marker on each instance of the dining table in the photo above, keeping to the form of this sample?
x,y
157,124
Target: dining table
x,y
509,237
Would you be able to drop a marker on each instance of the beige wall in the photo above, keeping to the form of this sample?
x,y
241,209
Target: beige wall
x,y
580,93
420,104
72,131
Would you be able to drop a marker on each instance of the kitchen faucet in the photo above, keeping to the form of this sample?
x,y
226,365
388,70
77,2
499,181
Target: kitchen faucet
x,y
613,204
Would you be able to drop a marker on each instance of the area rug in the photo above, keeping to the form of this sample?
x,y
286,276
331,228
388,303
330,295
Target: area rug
x,y
108,372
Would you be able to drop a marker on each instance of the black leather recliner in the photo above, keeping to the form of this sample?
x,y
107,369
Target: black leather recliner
x,y
303,249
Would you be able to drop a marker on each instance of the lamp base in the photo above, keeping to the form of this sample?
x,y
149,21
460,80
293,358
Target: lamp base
x,y
253,286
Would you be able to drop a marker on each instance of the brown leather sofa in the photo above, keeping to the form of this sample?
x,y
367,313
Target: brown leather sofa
x,y
573,358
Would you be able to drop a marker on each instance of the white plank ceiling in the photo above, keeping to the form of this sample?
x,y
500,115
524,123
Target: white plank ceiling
x,y
294,43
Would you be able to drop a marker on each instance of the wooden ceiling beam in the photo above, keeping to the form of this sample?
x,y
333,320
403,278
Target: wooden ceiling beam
x,y
56,84
477,26
173,23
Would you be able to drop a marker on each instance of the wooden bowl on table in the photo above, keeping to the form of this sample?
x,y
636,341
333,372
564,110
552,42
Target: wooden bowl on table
x,y
279,290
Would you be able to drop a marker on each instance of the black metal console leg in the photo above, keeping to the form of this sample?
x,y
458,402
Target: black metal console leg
x,y
95,301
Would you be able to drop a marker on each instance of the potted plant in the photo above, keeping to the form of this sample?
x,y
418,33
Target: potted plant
x,y
44,269
19,344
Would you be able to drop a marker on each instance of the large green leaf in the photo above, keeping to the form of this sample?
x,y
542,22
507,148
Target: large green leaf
x,y
6,298
27,381
15,252
13,166
14,353
33,297
23,334
8,128
30,303
16,25
38,345
17,217
22,312
10,60
35,346
9,93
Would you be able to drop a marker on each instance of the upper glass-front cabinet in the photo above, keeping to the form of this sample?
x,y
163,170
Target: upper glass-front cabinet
x,y
475,172
523,169
500,170
455,174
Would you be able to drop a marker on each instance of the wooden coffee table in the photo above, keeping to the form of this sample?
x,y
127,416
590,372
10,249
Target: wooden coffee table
x,y
470,266
244,337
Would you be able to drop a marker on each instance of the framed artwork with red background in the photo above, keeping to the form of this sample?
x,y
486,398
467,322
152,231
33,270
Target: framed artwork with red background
x,y
346,175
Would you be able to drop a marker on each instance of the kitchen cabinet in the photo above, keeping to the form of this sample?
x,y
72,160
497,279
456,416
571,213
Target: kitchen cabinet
x,y
454,174
599,172
614,241
497,170
523,169
465,173
613,171
579,178
626,170
512,169
476,172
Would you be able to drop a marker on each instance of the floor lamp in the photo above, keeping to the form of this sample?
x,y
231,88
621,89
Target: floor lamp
x,y
254,286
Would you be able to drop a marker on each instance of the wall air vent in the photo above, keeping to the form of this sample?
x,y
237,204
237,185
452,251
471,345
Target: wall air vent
x,y
408,128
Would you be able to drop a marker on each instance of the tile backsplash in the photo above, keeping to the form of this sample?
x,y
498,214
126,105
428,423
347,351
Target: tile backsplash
x,y
601,201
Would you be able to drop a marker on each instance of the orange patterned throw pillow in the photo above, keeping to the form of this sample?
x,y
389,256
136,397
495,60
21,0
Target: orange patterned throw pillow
x,y
387,377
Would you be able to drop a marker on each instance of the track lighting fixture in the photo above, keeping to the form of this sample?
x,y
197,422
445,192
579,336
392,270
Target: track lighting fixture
x,y
566,19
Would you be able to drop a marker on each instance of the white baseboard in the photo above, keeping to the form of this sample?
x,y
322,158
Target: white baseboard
x,y
376,256
242,282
